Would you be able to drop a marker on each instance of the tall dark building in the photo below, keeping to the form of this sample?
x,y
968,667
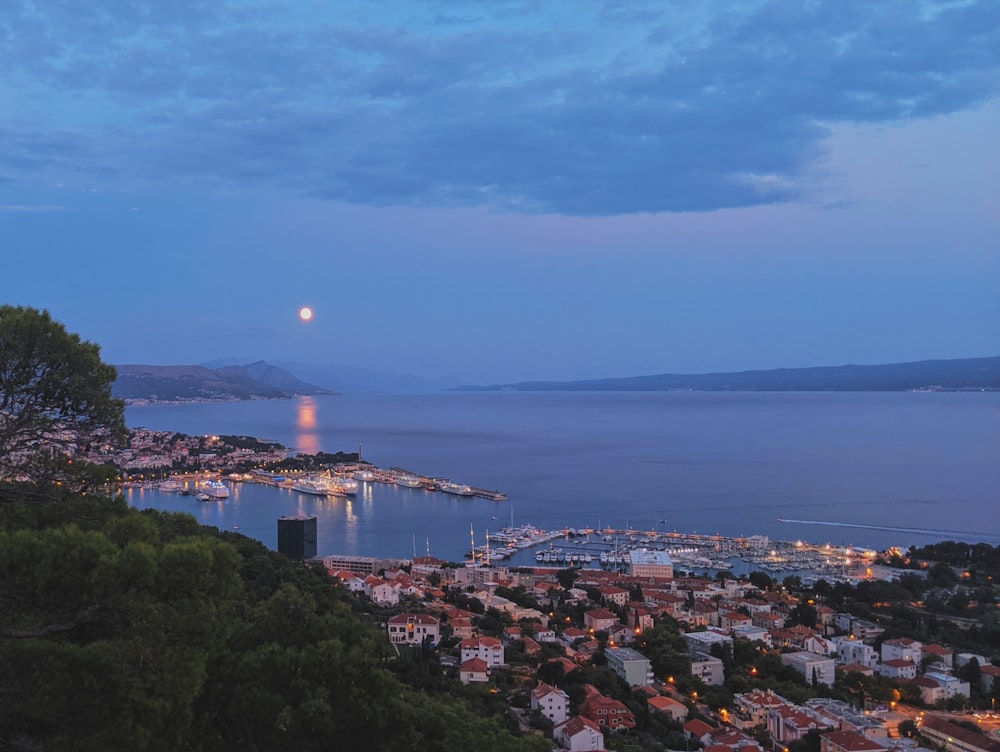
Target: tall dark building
x,y
297,537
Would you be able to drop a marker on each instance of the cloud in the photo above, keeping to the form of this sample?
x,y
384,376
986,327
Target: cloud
x,y
567,107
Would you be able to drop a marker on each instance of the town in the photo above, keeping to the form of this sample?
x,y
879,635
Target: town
x,y
638,656
645,659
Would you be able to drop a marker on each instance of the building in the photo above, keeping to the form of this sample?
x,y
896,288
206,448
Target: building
x,y
702,642
847,718
474,670
297,537
753,633
855,651
817,669
903,649
849,741
645,563
631,665
578,735
948,686
708,668
605,711
897,668
600,619
750,708
414,629
487,649
669,706
955,738
551,702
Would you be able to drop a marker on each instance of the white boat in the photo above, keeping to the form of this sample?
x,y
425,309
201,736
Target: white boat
x,y
366,476
310,486
340,486
170,486
458,489
410,481
214,489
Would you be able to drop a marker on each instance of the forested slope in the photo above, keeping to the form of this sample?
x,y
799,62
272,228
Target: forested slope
x,y
132,630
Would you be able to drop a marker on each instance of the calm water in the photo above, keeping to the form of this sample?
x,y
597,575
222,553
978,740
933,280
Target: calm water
x,y
927,464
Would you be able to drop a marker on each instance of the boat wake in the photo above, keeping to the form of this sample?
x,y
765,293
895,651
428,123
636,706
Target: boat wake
x,y
978,536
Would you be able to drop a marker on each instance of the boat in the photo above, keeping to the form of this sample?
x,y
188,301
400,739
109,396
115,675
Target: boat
x,y
366,476
170,486
310,486
340,486
202,496
214,489
410,481
458,489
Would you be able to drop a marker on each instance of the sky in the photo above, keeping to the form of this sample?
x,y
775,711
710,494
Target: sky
x,y
504,190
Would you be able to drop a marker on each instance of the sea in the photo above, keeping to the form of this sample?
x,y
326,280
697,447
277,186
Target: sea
x,y
865,469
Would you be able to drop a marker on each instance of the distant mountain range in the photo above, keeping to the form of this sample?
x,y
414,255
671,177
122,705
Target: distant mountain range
x,y
944,375
258,380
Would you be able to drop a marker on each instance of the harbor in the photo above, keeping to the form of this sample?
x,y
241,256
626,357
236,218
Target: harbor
x,y
609,548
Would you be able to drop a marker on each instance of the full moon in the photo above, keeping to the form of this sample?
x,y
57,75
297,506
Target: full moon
x,y
305,313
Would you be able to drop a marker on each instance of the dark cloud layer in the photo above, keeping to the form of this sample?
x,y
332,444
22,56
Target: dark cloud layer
x,y
575,108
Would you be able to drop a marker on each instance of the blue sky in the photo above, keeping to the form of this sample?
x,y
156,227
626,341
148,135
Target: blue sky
x,y
506,190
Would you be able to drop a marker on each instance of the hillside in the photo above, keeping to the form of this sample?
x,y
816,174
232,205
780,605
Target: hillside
x,y
967,374
260,380
129,630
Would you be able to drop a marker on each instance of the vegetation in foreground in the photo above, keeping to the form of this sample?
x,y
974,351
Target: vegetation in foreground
x,y
122,629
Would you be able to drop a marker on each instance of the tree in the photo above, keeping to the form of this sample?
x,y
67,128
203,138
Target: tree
x,y
55,397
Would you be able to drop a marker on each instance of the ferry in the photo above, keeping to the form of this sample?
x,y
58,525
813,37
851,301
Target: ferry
x,y
410,481
457,489
214,489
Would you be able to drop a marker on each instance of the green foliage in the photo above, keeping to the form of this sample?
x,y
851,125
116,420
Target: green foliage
x,y
55,395
122,629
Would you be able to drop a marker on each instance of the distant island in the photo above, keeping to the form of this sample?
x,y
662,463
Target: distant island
x,y
143,384
965,374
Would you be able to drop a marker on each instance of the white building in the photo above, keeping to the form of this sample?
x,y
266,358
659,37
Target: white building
x,y
413,629
903,649
631,665
551,702
487,649
855,651
817,669
708,668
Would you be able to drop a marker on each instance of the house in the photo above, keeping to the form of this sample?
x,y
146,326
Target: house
x,y
551,702
946,686
897,668
902,649
730,620
789,723
639,618
474,670
511,634
849,741
852,650
605,711
579,734
614,594
668,706
750,708
754,634
381,591
938,654
414,629
599,619
698,729
488,649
